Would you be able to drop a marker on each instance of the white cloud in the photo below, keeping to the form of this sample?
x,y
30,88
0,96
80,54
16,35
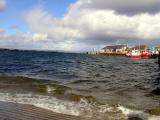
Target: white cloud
x,y
93,26
20,41
39,37
2,4
2,31
88,25
40,21
35,41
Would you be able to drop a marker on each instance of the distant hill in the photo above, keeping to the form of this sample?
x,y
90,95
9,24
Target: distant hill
x,y
7,49
25,50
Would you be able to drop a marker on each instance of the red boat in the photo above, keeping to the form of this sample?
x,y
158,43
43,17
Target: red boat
x,y
134,54
138,54
145,55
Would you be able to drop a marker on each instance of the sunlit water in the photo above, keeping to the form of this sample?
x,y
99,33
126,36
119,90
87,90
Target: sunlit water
x,y
80,84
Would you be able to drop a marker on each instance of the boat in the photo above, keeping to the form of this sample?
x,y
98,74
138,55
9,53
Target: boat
x,y
138,54
145,55
154,56
140,51
134,54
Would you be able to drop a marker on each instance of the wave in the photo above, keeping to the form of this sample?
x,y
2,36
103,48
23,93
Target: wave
x,y
26,79
140,115
81,108
15,84
31,84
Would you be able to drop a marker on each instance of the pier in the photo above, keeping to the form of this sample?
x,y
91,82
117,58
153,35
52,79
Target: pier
x,y
112,54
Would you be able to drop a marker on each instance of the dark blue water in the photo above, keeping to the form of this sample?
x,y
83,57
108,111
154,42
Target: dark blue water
x,y
123,81
49,65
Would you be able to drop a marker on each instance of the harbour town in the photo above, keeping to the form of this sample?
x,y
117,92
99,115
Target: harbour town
x,y
139,51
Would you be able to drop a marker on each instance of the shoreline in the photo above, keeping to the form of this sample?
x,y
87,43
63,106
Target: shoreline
x,y
16,111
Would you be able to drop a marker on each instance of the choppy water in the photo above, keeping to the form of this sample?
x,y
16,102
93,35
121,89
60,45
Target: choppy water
x,y
80,84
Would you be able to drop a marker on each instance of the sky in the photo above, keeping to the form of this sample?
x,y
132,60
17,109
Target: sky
x,y
78,25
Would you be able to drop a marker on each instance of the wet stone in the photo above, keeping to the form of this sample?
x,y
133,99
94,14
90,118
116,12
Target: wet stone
x,y
134,118
156,91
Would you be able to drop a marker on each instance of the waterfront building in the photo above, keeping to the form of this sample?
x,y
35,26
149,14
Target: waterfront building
x,y
115,49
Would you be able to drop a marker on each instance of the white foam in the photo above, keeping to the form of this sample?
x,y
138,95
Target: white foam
x,y
145,116
50,89
83,108
46,102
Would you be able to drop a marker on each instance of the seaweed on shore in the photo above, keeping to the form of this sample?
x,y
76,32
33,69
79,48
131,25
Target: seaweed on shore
x,y
156,91
155,111
77,98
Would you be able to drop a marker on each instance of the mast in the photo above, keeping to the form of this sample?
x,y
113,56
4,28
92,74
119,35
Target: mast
x,y
139,45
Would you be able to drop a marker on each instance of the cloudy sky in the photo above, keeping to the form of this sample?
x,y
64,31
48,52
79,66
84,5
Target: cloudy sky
x,y
78,25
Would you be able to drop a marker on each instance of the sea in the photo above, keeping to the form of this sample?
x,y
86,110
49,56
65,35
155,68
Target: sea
x,y
101,87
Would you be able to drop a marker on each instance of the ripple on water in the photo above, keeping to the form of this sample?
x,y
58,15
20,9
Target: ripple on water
x,y
120,80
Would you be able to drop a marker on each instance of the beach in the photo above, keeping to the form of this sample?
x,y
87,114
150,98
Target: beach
x,y
14,111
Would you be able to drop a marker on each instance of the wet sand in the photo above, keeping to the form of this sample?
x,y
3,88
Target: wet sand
x,y
13,111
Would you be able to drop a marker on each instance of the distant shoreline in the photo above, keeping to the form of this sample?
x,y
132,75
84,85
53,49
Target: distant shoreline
x,y
32,50
7,49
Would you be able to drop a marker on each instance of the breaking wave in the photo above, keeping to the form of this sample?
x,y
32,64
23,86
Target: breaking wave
x,y
140,115
81,108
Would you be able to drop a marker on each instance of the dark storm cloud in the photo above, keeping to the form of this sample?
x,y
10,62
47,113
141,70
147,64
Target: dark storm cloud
x,y
107,39
129,7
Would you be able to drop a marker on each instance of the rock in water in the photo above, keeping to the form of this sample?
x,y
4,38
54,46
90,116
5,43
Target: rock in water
x,y
156,91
